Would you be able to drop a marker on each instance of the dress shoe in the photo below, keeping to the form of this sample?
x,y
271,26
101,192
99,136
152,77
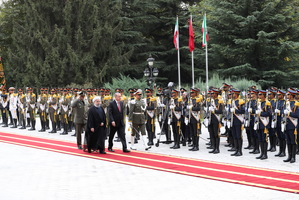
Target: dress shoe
x,y
147,148
80,147
111,150
126,151
74,134
103,152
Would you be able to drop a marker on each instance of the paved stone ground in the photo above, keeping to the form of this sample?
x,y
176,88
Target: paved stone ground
x,y
31,174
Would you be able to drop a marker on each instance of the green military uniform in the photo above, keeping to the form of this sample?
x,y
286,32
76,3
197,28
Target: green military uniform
x,y
22,108
42,109
31,108
137,118
65,102
53,108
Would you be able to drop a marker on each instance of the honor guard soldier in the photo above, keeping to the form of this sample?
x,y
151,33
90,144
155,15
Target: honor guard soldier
x,y
150,116
53,108
227,122
247,119
22,108
137,118
175,115
184,123
237,111
65,101
262,123
42,108
13,100
31,101
253,103
215,109
291,113
4,108
58,92
193,114
132,97
105,103
46,92
224,94
272,131
278,113
89,97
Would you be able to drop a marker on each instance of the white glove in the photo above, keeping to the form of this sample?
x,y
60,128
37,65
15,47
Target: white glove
x,y
277,111
171,106
189,106
226,109
206,109
211,108
250,110
257,112
286,112
232,110
162,105
130,124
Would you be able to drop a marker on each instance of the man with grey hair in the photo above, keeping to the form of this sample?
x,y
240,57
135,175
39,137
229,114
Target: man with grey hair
x,y
96,125
117,115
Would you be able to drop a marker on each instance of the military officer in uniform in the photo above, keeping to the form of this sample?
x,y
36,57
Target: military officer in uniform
x,y
13,99
65,101
272,131
4,108
42,108
280,104
237,111
262,123
193,114
80,117
291,112
22,108
150,116
53,107
175,115
31,101
137,118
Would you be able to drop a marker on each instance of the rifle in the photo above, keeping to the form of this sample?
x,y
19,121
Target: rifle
x,y
247,114
284,117
274,115
207,114
257,117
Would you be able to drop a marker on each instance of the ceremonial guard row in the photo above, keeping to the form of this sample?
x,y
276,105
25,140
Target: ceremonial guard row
x,y
268,117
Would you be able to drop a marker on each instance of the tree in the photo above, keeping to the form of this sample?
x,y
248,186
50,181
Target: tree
x,y
253,39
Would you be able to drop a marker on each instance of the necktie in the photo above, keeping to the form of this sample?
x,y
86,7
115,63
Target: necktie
x,y
118,105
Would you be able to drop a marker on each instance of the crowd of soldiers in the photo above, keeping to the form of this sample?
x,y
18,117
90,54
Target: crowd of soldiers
x,y
268,117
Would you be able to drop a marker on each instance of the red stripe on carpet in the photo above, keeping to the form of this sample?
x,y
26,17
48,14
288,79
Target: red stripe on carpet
x,y
265,178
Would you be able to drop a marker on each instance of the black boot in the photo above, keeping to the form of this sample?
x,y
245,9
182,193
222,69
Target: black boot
x,y
216,151
28,122
280,149
150,139
237,148
53,128
274,140
70,126
47,124
290,153
256,150
15,121
283,148
43,123
240,144
265,146
23,125
234,145
58,125
32,126
65,127
213,141
262,150
293,158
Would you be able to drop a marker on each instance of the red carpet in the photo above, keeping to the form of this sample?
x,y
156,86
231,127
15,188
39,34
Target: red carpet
x,y
252,176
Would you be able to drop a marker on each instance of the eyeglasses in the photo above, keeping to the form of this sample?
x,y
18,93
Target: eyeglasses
x,y
139,94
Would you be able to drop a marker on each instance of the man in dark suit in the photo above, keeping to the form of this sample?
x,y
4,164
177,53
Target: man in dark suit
x,y
116,111
96,123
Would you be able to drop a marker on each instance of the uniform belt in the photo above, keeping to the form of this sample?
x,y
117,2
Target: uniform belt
x,y
138,113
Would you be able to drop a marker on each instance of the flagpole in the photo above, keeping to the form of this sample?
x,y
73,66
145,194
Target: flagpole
x,y
179,62
207,66
192,57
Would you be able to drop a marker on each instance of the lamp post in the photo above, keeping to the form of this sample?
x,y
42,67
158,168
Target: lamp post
x,y
150,72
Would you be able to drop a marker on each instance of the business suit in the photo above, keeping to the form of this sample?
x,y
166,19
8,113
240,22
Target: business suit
x,y
97,120
117,116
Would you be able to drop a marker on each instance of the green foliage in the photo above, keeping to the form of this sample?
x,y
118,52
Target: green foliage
x,y
217,81
125,82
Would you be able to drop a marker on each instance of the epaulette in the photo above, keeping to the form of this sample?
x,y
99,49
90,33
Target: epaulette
x,y
180,99
229,101
199,99
123,98
33,95
153,99
241,101
107,98
15,94
268,103
220,100
297,103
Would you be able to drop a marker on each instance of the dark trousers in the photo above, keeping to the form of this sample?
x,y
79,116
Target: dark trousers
x,y
120,134
291,137
236,132
79,128
262,136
